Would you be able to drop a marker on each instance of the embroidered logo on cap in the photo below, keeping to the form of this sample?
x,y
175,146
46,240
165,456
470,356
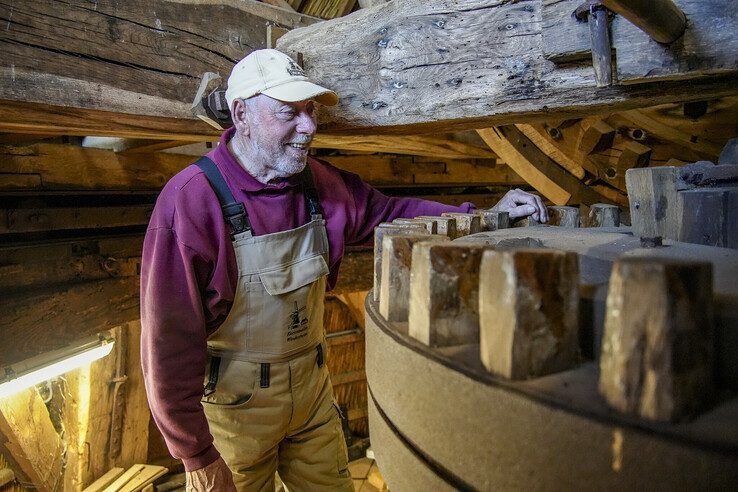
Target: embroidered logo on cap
x,y
295,70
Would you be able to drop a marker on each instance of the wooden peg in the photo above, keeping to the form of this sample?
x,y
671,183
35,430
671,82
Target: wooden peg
x,y
493,220
563,216
465,223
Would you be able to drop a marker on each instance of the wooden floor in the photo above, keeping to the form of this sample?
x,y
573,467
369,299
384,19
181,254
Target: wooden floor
x,y
366,476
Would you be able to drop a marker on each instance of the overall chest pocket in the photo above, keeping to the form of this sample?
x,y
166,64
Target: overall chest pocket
x,y
292,276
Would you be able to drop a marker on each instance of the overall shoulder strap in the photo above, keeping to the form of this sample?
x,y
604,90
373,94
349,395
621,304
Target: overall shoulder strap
x,y
311,193
234,212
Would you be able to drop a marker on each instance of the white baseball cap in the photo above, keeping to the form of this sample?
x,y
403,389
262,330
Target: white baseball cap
x,y
276,75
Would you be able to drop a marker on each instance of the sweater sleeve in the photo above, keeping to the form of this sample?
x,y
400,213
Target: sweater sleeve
x,y
184,287
372,207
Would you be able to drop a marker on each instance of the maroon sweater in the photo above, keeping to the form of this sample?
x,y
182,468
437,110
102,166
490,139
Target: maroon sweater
x,y
189,274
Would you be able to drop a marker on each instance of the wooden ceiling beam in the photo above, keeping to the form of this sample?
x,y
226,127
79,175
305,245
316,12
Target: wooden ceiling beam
x,y
470,64
440,147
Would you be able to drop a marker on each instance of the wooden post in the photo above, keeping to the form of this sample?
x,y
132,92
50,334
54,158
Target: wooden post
x,y
563,216
379,232
657,349
660,19
444,294
654,202
604,215
493,220
394,295
528,312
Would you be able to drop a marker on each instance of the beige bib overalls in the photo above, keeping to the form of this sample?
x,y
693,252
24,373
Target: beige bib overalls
x,y
268,396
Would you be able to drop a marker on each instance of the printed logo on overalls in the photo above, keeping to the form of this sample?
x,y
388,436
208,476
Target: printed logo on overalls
x,y
298,325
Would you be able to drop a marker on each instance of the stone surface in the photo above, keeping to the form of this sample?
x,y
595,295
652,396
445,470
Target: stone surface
x,y
465,223
394,295
563,216
528,312
493,220
379,232
445,226
657,349
444,294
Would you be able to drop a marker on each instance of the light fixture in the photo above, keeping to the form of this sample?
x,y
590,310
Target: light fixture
x,y
35,370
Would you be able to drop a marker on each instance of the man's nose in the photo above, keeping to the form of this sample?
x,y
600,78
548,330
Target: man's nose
x,y
306,123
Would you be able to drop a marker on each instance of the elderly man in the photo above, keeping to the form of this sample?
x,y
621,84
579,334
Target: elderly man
x,y
237,257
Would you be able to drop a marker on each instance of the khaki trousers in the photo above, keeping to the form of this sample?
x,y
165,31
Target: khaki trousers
x,y
291,426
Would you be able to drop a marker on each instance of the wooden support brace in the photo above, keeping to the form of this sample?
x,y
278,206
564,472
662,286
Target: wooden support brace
x,y
444,294
660,19
528,312
563,216
657,350
394,296
598,137
379,232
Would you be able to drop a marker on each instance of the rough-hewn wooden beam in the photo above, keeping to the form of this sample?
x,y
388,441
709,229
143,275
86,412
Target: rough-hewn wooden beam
x,y
412,144
138,58
417,65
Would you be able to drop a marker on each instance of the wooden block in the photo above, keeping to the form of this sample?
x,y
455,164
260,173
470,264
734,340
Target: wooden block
x,y
444,284
394,295
657,349
603,215
528,312
525,222
598,137
563,216
445,226
493,220
465,223
634,155
655,208
379,232
360,468
709,217
430,224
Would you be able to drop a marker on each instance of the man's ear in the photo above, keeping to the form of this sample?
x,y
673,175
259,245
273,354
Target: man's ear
x,y
240,117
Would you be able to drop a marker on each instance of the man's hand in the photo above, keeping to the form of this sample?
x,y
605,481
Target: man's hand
x,y
519,203
214,477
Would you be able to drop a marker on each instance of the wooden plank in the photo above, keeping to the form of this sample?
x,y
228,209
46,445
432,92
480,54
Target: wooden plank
x,y
127,476
70,167
347,377
564,38
102,482
86,413
136,414
44,320
708,46
437,66
30,441
442,148
21,220
167,47
389,171
57,262
144,478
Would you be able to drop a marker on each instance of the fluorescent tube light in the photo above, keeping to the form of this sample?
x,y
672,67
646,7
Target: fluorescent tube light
x,y
46,366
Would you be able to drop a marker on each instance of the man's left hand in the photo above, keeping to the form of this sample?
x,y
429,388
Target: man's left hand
x,y
519,203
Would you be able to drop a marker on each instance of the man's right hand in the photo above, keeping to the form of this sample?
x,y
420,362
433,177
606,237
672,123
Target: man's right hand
x,y
215,476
